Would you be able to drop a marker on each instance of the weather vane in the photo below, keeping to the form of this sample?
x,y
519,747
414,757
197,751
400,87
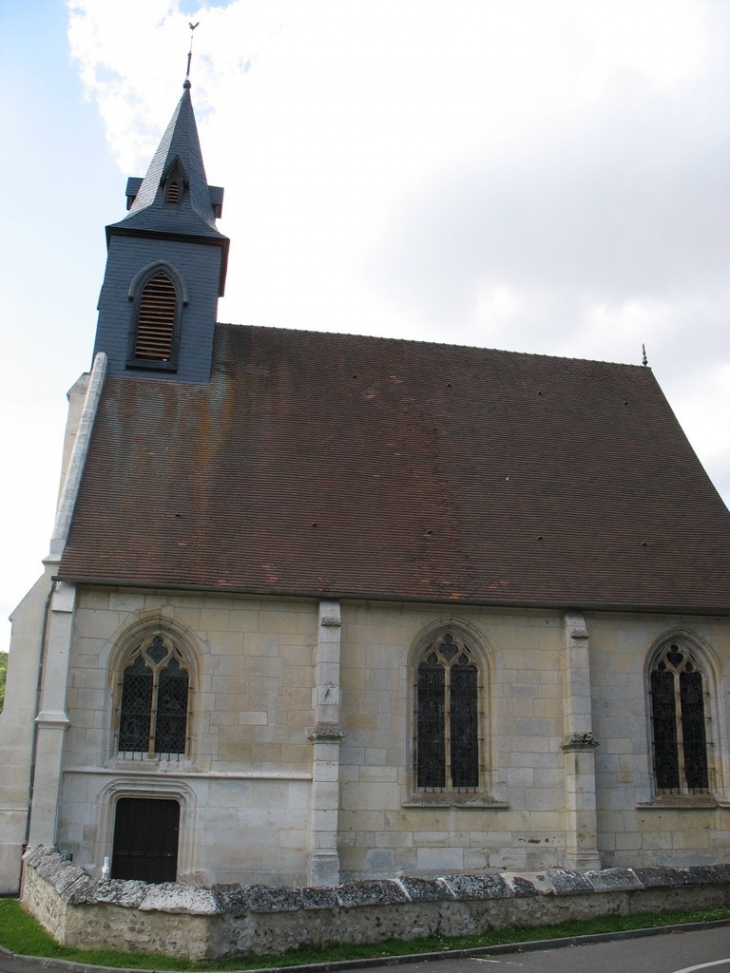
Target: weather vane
x,y
190,52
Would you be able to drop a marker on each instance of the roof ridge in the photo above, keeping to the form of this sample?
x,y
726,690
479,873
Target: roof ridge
x,y
431,344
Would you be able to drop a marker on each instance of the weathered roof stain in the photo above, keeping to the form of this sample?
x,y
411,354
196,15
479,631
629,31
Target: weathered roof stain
x,y
321,464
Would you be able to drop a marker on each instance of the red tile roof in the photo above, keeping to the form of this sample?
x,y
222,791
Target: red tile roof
x,y
321,464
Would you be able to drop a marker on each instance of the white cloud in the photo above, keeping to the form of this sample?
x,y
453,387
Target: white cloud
x,y
538,176
541,176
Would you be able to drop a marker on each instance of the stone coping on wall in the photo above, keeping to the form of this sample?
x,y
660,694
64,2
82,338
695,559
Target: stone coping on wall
x,y
259,918
77,887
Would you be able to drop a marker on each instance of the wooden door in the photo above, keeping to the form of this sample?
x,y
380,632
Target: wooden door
x,y
146,839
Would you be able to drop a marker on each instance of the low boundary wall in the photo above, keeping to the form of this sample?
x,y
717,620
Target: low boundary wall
x,y
201,922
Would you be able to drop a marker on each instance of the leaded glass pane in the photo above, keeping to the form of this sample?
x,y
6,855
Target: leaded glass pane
x,y
172,709
666,761
431,743
693,730
136,707
464,726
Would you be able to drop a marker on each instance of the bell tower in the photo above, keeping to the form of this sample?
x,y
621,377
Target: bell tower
x,y
166,264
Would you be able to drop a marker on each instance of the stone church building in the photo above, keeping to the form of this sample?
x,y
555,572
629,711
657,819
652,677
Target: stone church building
x,y
321,607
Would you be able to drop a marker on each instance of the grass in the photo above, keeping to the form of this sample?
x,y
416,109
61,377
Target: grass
x,y
21,934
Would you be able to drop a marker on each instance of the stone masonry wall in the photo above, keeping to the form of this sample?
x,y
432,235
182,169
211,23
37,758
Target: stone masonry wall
x,y
250,803
202,922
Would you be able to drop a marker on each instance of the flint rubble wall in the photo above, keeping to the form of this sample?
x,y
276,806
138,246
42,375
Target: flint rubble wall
x,y
200,922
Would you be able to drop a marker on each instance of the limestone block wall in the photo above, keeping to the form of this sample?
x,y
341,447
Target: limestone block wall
x,y
201,923
16,727
263,672
244,784
517,821
520,821
28,670
635,827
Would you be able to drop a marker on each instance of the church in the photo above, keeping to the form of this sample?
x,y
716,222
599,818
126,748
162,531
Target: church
x,y
320,607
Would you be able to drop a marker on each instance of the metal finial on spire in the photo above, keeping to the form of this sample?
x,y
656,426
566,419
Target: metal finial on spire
x,y
644,359
192,27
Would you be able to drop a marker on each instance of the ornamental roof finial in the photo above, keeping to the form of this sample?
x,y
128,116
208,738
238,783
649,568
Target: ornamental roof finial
x,y
186,83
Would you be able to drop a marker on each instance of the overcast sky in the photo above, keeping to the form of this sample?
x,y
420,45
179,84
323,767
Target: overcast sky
x,y
549,176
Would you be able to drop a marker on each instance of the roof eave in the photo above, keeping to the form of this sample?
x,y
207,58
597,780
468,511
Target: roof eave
x,y
345,595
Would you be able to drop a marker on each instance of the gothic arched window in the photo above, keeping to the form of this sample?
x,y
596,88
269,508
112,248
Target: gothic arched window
x,y
153,703
447,716
679,721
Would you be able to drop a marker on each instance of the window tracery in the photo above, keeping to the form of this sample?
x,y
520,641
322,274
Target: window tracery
x,y
447,717
678,687
153,706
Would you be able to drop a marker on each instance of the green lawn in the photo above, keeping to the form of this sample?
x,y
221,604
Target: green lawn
x,y
22,934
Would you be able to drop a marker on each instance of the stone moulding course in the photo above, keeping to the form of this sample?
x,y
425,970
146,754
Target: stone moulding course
x,y
201,922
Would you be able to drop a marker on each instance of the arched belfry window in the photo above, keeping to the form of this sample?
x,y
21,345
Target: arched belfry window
x,y
156,319
153,699
158,297
679,718
447,716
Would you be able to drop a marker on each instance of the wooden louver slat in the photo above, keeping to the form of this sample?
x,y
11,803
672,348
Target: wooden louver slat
x,y
156,322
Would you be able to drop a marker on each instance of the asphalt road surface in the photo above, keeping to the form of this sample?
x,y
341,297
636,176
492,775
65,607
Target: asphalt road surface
x,y
679,952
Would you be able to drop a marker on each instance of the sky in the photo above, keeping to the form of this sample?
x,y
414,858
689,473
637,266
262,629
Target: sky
x,y
548,176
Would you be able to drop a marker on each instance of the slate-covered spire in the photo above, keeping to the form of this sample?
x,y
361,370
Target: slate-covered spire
x,y
178,159
166,264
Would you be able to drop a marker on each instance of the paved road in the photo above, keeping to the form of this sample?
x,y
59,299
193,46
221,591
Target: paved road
x,y
675,953
703,951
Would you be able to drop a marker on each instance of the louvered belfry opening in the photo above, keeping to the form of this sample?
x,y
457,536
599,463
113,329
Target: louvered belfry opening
x,y
156,322
172,196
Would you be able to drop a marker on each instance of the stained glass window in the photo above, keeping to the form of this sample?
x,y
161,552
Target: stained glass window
x,y
447,716
679,722
153,710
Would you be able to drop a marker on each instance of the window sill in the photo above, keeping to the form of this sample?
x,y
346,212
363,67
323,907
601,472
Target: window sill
x,y
154,364
463,801
143,761
683,802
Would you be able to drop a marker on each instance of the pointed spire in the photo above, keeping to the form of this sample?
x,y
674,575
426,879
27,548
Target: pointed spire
x,y
192,208
166,249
